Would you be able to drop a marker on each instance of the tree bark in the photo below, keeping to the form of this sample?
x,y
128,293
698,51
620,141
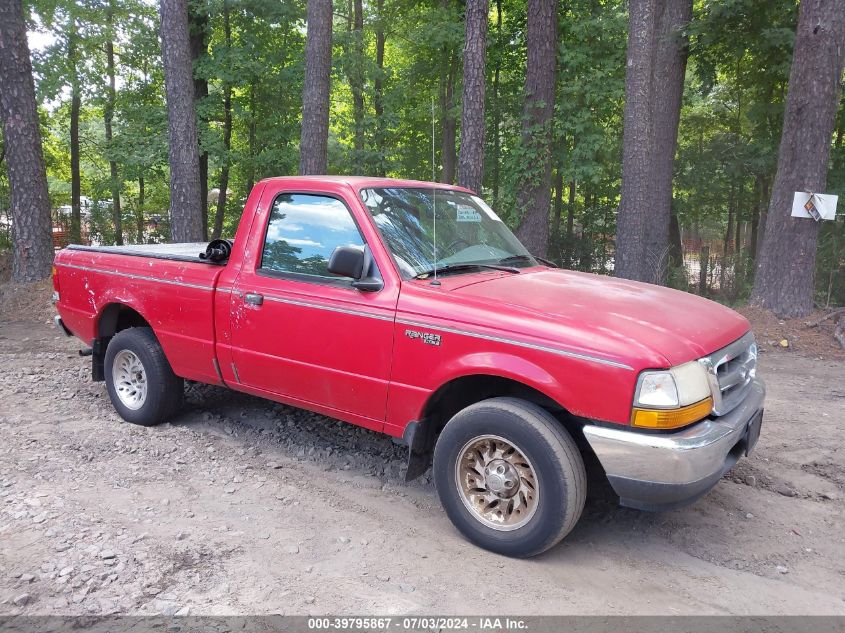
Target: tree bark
x,y
570,224
670,63
378,93
758,224
356,83
637,142
32,238
75,176
220,214
448,122
108,116
251,128
654,81
534,192
471,161
726,246
139,215
676,246
315,94
703,273
784,278
75,107
186,224
497,111
558,204
198,31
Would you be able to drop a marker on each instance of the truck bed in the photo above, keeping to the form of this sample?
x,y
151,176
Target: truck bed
x,y
167,285
182,252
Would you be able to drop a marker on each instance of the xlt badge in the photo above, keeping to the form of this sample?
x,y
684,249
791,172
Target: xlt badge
x,y
427,337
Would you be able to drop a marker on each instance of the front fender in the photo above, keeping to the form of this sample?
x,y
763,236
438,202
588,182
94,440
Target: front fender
x,y
583,387
409,398
508,366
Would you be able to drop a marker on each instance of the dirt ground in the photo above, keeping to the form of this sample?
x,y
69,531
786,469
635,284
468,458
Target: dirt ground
x,y
242,506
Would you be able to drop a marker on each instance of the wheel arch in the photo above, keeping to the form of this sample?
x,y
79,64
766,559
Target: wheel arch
x,y
113,318
117,316
462,391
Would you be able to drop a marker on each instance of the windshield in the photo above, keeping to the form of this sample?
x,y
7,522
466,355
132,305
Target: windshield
x,y
468,231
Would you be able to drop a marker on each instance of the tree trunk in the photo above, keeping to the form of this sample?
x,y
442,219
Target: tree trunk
x,y
670,63
108,116
784,277
570,224
75,106
356,83
654,82
186,224
378,92
534,192
758,219
585,253
558,204
139,215
638,146
227,134
703,272
32,238
315,94
471,162
75,177
199,34
726,246
448,156
497,110
676,246
251,138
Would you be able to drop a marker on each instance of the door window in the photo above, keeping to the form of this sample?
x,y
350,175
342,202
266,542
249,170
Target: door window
x,y
303,231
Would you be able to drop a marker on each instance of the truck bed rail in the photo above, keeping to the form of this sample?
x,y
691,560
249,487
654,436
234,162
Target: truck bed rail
x,y
181,252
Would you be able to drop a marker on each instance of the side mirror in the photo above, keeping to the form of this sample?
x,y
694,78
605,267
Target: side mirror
x,y
355,262
347,261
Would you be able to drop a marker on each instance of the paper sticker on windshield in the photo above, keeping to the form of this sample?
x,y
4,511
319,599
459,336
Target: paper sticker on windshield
x,y
485,207
467,214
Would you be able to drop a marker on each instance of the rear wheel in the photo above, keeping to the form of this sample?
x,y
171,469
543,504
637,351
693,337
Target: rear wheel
x,y
509,476
142,386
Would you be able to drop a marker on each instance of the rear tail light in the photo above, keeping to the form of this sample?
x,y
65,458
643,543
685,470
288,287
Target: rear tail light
x,y
56,288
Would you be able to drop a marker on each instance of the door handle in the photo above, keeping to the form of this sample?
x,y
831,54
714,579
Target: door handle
x,y
253,298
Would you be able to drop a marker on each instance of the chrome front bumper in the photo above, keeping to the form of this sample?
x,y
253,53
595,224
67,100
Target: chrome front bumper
x,y
662,471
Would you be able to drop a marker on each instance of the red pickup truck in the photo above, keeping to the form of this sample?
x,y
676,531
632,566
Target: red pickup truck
x,y
409,308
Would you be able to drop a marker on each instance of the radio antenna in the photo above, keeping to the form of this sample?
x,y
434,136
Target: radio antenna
x,y
434,194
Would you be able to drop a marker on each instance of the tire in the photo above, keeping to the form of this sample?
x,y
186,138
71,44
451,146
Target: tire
x,y
475,441
142,386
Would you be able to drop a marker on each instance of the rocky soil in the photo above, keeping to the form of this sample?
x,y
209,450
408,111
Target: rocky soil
x,y
242,506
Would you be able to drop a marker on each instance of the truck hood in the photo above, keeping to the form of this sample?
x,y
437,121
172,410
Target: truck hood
x,y
676,325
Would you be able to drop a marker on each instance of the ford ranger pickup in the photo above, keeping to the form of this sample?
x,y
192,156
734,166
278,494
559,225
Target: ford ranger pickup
x,y
409,308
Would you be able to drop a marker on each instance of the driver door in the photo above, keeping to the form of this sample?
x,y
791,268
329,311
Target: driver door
x,y
305,335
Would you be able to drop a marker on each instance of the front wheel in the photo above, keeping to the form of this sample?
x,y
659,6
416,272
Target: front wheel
x,y
142,386
509,476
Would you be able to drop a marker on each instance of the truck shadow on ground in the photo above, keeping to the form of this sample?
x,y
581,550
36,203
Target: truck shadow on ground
x,y
285,432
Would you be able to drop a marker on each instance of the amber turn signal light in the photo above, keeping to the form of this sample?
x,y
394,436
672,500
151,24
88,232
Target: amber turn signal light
x,y
671,418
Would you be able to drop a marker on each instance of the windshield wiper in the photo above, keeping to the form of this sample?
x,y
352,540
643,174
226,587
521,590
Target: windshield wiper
x,y
527,258
451,268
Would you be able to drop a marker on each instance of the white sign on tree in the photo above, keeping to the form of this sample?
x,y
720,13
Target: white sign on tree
x,y
819,206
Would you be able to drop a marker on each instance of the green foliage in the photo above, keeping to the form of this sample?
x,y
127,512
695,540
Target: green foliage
x,y
740,53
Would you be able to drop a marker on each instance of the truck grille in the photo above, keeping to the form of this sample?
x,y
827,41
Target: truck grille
x,y
731,371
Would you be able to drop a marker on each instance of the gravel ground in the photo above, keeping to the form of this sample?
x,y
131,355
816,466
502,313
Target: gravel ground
x,y
242,506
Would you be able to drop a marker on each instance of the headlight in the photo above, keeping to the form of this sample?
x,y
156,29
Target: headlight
x,y
657,389
672,398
